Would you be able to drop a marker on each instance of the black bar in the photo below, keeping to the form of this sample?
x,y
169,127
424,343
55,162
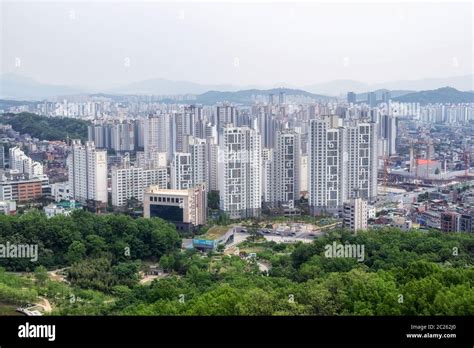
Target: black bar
x,y
242,330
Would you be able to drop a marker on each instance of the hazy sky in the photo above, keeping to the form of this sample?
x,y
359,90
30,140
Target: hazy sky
x,y
107,44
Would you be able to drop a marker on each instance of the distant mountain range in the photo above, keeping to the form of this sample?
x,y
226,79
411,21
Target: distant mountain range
x,y
338,87
248,96
341,87
168,87
379,92
13,86
440,95
17,87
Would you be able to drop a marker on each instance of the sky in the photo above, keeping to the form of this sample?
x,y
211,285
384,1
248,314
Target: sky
x,y
112,43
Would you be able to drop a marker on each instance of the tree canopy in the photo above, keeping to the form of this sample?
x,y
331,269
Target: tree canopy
x,y
402,273
46,128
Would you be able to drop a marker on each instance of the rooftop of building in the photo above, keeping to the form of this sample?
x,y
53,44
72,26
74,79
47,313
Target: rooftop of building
x,y
170,192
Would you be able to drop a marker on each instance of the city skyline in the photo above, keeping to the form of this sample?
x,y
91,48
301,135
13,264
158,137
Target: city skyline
x,y
237,159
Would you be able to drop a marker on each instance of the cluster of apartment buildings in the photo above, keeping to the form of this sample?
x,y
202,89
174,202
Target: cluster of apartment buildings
x,y
334,162
261,157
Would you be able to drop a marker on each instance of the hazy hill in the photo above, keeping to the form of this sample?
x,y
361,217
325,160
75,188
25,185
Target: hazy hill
x,y
440,95
379,93
246,96
341,87
168,87
17,87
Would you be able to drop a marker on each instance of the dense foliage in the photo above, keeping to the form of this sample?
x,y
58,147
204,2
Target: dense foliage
x,y
46,128
83,236
402,273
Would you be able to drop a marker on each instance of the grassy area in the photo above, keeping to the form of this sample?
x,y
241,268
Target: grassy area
x,y
17,289
8,309
252,249
215,232
265,250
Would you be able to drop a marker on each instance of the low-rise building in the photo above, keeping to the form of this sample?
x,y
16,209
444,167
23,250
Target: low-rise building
x,y
401,223
21,188
8,207
355,214
450,221
186,209
60,191
466,221
63,208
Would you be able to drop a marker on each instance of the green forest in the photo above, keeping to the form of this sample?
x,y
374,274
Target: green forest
x,y
46,128
403,273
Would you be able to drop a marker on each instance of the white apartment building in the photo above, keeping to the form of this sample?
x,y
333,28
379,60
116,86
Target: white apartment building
x,y
283,179
342,159
181,171
387,130
240,172
21,163
361,142
151,159
212,160
355,214
132,182
157,135
199,161
122,136
325,167
87,168
181,129
225,116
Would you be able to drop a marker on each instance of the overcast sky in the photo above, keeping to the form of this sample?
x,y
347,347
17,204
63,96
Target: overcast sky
x,y
107,44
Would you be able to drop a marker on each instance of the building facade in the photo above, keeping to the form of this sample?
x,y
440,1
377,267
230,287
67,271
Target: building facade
x,y
240,170
355,214
342,159
181,171
282,182
87,167
128,183
21,163
187,209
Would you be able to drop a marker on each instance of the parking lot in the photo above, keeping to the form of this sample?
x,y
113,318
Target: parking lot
x,y
280,235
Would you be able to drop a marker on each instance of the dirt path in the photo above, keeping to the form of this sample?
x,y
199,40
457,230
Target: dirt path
x,y
44,303
263,266
57,276
148,279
